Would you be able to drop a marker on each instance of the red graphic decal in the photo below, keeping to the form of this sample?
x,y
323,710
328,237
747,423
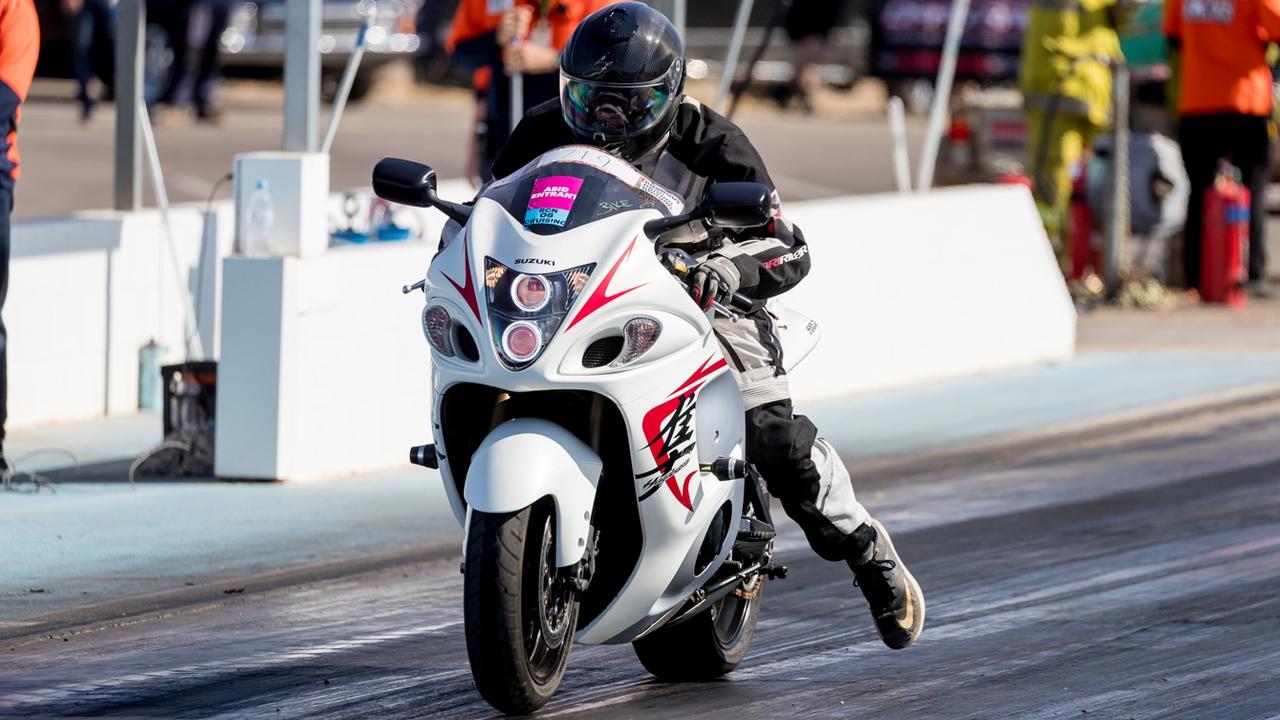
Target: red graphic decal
x,y
682,493
601,296
701,373
669,429
466,290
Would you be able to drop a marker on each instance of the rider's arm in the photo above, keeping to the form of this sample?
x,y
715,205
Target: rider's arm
x,y
770,264
769,260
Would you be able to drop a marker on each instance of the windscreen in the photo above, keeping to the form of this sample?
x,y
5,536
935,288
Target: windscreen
x,y
575,185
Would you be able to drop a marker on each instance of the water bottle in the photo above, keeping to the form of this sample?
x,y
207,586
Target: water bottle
x,y
261,218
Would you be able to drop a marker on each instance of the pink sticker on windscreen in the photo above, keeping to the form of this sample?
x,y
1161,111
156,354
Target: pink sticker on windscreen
x,y
551,200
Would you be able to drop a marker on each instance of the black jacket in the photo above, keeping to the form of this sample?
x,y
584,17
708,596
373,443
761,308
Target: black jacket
x,y
703,147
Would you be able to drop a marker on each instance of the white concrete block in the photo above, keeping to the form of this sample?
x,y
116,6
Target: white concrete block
x,y
299,187
341,384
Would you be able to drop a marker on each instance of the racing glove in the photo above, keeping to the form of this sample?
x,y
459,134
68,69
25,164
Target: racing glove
x,y
715,279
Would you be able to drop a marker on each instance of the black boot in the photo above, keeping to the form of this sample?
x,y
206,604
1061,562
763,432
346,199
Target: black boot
x,y
897,604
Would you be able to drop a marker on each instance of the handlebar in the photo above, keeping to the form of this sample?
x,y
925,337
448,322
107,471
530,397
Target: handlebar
x,y
681,264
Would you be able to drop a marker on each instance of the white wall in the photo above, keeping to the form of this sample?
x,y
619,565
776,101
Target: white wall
x,y
910,288
87,292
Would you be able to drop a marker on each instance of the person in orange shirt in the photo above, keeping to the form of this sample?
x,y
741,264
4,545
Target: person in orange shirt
x,y
1225,104
514,36
19,47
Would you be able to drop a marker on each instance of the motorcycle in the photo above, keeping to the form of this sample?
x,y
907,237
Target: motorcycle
x,y
588,434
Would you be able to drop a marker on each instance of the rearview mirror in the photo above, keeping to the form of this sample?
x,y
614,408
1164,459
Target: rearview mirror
x,y
410,183
738,204
404,181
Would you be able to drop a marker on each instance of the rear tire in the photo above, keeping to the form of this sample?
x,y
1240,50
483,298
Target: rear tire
x,y
520,620
706,646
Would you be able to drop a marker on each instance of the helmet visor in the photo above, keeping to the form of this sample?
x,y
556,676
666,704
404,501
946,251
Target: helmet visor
x,y
610,113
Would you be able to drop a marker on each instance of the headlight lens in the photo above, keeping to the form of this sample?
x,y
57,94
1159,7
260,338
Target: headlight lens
x,y
531,293
437,325
521,341
526,310
639,335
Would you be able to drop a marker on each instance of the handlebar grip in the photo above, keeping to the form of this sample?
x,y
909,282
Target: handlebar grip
x,y
738,301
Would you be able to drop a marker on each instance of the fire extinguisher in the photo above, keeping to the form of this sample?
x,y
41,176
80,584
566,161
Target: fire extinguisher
x,y
1226,239
1084,256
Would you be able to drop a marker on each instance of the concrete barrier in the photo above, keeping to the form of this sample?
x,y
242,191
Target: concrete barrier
x,y
911,288
88,291
333,378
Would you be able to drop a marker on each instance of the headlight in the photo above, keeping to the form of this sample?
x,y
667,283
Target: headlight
x,y
438,326
639,334
521,341
526,310
531,293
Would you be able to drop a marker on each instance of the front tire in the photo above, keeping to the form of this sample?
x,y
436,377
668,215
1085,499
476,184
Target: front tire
x,y
706,646
520,614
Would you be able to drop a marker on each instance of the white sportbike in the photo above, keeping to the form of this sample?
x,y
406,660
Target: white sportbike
x,y
588,433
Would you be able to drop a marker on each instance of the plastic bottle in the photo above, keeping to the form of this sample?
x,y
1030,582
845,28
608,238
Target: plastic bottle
x,y
261,218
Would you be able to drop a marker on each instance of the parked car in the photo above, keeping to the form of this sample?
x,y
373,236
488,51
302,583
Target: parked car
x,y
254,40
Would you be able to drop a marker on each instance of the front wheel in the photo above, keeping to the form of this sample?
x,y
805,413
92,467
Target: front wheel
x,y
708,645
520,612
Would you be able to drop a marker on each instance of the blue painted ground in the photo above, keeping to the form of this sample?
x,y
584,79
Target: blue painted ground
x,y
96,541
1088,387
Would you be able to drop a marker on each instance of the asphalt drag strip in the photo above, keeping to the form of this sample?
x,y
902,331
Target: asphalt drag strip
x,y
1134,576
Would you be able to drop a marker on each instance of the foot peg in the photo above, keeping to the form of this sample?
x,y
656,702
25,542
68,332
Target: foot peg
x,y
425,456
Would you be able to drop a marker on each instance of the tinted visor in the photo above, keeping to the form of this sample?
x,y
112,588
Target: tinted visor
x,y
610,113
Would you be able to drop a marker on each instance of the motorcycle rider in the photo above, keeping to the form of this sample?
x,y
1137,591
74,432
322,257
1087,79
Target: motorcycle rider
x,y
622,80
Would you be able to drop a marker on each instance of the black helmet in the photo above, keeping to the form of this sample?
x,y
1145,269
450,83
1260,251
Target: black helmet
x,y
621,75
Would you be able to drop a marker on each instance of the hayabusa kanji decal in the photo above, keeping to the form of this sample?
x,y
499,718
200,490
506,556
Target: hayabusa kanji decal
x,y
669,430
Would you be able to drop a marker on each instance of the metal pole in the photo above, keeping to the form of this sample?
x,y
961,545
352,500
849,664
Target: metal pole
x,y
679,17
131,22
942,93
735,49
344,88
302,75
192,346
901,158
517,99
1113,255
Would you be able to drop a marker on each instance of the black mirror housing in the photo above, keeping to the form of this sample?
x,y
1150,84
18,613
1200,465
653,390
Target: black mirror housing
x,y
405,182
738,204
410,183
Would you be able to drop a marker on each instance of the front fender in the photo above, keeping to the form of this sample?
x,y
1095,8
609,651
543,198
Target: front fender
x,y
527,459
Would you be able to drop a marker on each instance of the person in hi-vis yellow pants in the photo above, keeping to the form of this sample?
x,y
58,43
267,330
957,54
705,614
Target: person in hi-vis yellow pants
x,y
1065,76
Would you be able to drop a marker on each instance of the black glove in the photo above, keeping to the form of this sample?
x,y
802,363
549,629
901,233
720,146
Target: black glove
x,y
716,279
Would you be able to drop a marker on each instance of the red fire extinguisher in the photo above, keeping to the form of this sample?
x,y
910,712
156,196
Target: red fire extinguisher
x,y
1084,256
1225,240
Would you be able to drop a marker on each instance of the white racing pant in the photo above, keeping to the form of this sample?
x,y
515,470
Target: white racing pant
x,y
803,471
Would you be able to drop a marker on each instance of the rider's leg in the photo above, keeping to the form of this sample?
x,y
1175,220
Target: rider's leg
x,y
807,475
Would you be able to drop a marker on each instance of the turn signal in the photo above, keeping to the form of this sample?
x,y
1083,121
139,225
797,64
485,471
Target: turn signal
x,y
639,335
438,326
